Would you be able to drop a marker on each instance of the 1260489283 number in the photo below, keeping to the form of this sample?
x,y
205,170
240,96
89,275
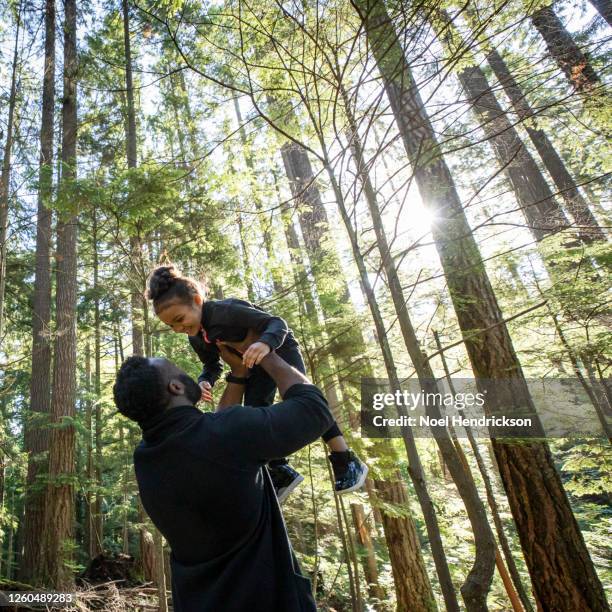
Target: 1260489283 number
x,y
37,599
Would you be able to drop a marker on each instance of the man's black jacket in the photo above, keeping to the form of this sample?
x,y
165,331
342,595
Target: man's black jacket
x,y
230,320
202,481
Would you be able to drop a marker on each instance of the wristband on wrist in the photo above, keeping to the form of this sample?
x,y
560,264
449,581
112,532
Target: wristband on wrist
x,y
237,380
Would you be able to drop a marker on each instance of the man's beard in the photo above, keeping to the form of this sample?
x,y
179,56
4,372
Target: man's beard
x,y
192,390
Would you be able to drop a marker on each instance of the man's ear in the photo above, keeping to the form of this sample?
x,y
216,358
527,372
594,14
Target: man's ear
x,y
176,387
198,299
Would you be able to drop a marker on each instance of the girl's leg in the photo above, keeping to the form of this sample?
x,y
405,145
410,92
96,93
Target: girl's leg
x,y
260,389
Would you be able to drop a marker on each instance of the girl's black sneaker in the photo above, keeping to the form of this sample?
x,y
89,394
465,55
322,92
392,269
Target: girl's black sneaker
x,y
284,479
350,473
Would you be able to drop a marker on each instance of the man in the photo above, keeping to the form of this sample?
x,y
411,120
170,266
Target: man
x,y
202,481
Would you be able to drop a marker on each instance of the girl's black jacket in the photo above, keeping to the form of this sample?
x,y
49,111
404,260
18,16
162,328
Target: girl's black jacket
x,y
230,320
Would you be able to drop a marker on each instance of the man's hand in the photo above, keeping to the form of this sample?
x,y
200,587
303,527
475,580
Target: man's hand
x,y
255,353
233,359
242,347
206,391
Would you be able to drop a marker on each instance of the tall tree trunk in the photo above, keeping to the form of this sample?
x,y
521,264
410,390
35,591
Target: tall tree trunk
x,y
604,7
136,299
574,63
576,205
160,574
5,175
36,436
89,528
315,229
59,514
4,210
97,514
478,581
562,572
10,553
492,501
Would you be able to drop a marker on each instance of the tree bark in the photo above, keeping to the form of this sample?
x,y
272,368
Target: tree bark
x,y
89,528
36,436
562,572
574,63
160,573
370,568
59,514
542,212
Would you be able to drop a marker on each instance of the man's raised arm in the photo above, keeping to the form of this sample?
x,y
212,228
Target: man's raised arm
x,y
262,433
284,375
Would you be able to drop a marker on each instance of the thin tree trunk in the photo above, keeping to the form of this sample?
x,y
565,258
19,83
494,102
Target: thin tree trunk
x,y
478,581
604,7
2,505
97,515
358,604
493,506
160,574
266,227
562,572
5,175
370,568
89,512
59,514
10,553
36,436
125,533
574,63
315,229
132,161
400,533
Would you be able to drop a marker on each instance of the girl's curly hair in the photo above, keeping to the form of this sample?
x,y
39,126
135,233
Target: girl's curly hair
x,y
167,284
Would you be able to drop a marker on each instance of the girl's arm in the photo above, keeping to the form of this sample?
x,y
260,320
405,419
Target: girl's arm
x,y
210,358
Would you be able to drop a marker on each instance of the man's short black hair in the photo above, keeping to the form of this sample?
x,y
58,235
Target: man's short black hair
x,y
139,390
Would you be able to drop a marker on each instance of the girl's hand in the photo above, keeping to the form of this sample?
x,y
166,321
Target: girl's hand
x,y
255,353
206,391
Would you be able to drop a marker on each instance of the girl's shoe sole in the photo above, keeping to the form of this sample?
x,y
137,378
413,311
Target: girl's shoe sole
x,y
288,489
358,484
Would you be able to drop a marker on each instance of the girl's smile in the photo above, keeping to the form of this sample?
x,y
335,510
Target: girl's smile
x,y
183,318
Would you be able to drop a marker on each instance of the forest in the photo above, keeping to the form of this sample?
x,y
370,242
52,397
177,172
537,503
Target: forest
x,y
419,189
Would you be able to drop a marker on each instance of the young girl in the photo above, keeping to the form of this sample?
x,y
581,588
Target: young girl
x,y
179,302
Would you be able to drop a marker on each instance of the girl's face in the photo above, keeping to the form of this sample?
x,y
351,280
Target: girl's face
x,y
182,317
